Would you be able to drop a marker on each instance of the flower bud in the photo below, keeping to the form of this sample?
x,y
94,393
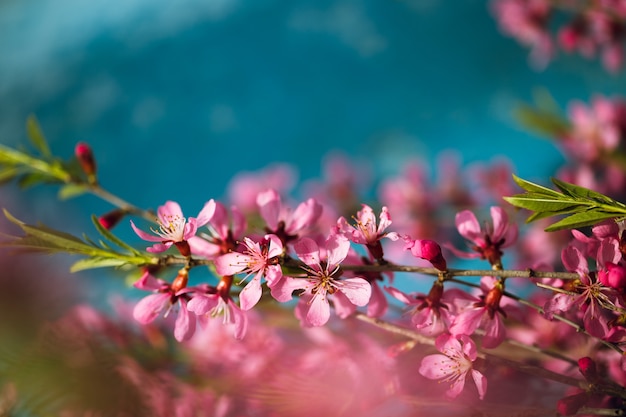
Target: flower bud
x,y
87,162
614,276
429,250
111,219
587,368
181,280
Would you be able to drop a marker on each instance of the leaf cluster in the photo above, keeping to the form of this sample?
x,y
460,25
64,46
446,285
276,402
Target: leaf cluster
x,y
39,166
580,206
41,238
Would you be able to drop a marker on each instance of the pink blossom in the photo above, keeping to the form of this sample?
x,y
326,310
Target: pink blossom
x,y
244,188
589,296
454,365
488,242
164,298
366,232
213,303
484,312
221,234
283,222
323,281
258,258
526,21
174,228
596,129
431,313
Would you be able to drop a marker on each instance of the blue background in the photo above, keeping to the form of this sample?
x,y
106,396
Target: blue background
x,y
177,97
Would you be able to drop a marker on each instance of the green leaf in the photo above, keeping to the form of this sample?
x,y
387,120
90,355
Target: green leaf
x,y
532,187
44,239
545,123
36,137
48,170
72,190
576,191
584,207
93,263
536,202
583,219
111,237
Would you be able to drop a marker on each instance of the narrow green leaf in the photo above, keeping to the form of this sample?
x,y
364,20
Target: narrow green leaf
x,y
536,188
36,136
588,218
111,237
584,193
47,239
530,202
54,170
71,190
93,263
9,173
545,123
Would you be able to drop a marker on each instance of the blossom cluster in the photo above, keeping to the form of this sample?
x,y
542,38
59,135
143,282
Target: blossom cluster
x,y
227,281
593,28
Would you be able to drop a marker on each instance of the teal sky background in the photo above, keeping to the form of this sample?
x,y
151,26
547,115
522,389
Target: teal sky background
x,y
177,97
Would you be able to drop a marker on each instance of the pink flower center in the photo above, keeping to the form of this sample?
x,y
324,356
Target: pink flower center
x,y
172,229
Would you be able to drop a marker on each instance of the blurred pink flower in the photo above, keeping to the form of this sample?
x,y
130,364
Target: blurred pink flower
x,y
454,365
222,232
281,221
165,297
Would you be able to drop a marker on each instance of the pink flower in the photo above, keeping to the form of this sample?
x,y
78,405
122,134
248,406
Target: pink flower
x,y
526,21
431,314
222,234
487,242
174,229
214,303
589,296
484,312
596,129
377,305
454,364
283,222
244,188
366,232
323,281
259,258
165,297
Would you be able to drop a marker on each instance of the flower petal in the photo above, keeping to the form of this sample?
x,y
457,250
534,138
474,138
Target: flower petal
x,y
185,325
308,252
337,248
319,310
251,293
206,213
269,207
481,383
144,235
149,307
468,226
232,263
168,210
202,304
357,290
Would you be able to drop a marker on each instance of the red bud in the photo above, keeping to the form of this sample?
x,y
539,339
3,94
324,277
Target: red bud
x,y
85,157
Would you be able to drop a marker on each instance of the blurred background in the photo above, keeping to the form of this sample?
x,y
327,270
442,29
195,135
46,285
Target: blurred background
x,y
176,98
